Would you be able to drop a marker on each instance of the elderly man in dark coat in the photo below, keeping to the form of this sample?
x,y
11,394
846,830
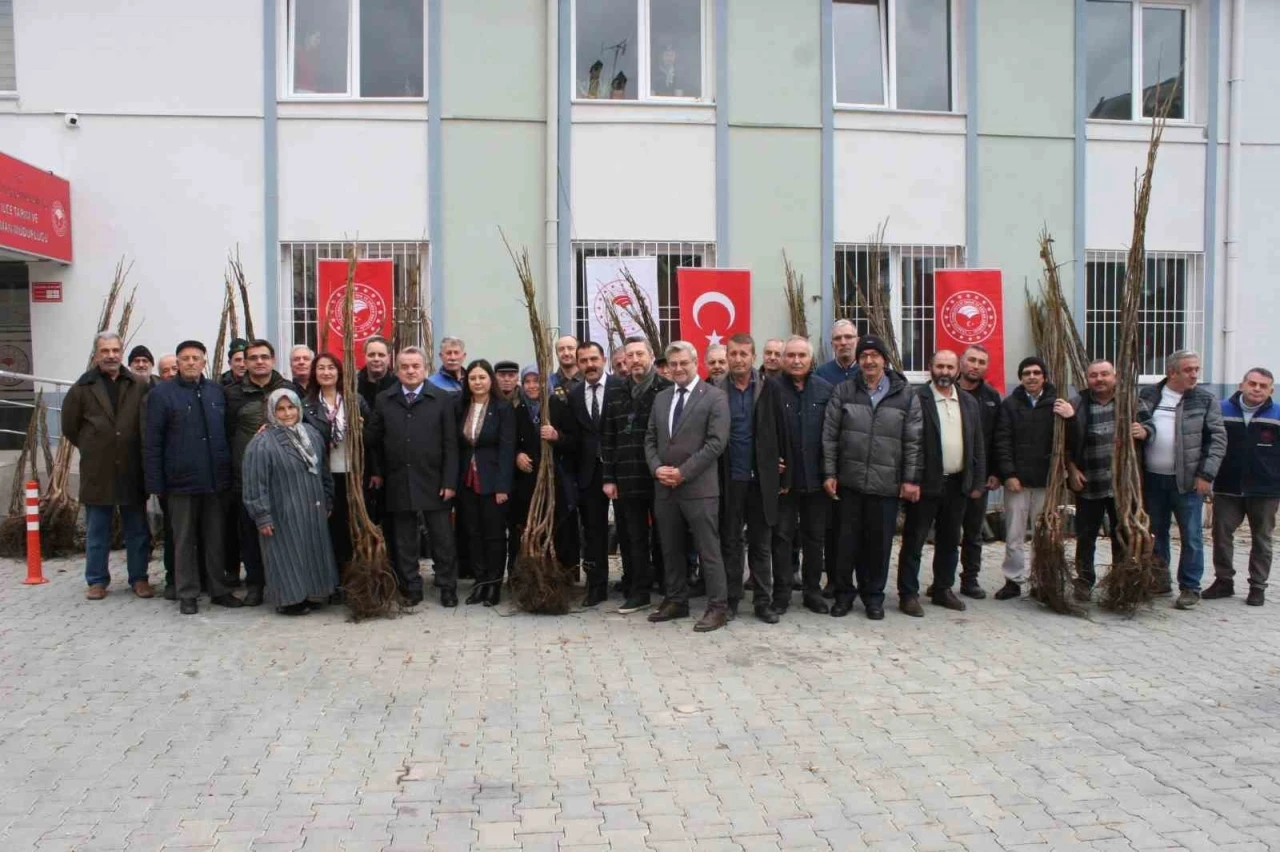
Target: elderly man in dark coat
x,y
102,417
412,442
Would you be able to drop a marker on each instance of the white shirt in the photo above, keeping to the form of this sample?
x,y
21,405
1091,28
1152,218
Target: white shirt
x,y
408,390
595,391
671,415
1161,456
950,431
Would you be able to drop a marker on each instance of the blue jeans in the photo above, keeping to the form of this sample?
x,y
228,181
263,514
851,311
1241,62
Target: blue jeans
x,y
97,545
1163,502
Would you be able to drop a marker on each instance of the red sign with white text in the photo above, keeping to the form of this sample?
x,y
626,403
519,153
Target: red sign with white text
x,y
371,305
35,211
969,309
715,304
46,291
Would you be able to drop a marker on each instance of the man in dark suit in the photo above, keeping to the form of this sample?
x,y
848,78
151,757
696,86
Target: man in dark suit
x,y
954,470
581,442
688,430
753,471
412,442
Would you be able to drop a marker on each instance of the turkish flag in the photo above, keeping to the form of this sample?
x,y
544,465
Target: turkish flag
x,y
715,304
371,304
969,309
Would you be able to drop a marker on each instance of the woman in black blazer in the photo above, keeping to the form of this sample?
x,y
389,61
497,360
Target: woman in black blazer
x,y
487,460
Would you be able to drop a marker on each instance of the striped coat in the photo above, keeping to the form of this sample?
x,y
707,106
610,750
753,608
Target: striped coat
x,y
278,490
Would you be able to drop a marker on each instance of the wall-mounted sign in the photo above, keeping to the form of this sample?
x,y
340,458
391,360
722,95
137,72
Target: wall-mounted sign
x,y
46,291
35,211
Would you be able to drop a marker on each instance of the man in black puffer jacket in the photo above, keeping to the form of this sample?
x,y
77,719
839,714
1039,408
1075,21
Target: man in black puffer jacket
x,y
871,455
1024,446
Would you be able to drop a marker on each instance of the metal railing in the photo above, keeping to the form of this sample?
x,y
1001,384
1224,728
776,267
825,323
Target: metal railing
x,y
24,378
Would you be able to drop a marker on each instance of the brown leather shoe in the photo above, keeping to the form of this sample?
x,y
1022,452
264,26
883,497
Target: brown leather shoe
x,y
948,600
669,611
96,592
911,606
713,619
143,589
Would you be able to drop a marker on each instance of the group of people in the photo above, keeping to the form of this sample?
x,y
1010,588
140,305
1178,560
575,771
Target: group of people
x,y
764,477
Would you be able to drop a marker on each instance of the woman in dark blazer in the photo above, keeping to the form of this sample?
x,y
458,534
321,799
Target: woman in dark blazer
x,y
487,459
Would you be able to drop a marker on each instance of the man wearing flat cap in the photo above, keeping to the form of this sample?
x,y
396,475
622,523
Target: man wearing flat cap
x,y
508,376
871,459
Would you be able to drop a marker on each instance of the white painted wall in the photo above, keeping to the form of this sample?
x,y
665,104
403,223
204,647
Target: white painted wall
x,y
916,180
347,178
643,182
1176,218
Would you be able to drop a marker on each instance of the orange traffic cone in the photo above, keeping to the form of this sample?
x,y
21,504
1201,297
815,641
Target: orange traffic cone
x,y
35,568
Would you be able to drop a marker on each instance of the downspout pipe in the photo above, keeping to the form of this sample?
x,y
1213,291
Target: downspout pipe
x,y
551,223
1231,278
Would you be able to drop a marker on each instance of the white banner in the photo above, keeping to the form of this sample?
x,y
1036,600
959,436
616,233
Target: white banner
x,y
605,284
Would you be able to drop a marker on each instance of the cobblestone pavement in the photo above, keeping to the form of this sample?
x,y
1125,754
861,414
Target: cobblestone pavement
x,y
126,726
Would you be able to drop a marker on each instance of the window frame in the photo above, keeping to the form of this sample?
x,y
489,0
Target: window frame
x,y
644,60
943,255
1136,90
353,60
12,94
889,63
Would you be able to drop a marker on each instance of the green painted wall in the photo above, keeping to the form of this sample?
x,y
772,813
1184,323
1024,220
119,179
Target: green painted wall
x,y
774,62
494,58
775,205
494,170
1026,67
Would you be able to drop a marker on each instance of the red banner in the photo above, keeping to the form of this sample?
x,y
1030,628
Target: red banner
x,y
35,211
374,297
715,304
969,309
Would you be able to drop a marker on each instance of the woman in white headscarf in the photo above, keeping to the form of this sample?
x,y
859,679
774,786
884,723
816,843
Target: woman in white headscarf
x,y
288,491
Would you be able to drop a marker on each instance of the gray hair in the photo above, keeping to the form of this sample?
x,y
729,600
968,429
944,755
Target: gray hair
x,y
413,350
841,322
641,339
778,340
1174,361
799,338
106,335
452,341
682,346
717,348
303,347
1261,371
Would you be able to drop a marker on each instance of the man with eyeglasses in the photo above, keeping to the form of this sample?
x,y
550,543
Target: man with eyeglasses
x,y
1024,448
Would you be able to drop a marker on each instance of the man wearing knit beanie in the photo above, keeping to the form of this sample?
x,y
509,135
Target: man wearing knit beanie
x,y
141,361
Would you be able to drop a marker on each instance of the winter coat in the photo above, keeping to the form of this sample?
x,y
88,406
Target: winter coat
x,y
988,399
1024,437
772,440
805,412
494,451
873,450
1201,440
414,448
529,442
1251,467
626,420
974,475
246,414
369,389
184,448
109,439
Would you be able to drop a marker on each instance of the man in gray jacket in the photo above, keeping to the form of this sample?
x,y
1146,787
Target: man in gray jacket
x,y
1184,442
871,458
688,430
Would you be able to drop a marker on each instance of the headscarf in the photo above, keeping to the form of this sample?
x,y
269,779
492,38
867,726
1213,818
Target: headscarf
x,y
295,435
534,403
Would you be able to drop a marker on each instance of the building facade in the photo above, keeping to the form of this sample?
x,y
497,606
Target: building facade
x,y
706,132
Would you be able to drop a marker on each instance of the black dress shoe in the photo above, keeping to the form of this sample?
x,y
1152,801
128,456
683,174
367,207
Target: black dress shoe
x,y
253,596
228,600
595,597
479,594
765,613
412,599
973,590
876,612
781,605
448,598
495,595
733,608
170,592
299,608
1009,591
669,611
188,606
829,591
841,608
818,605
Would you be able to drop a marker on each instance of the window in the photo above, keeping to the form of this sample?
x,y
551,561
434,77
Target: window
x,y
357,48
906,275
8,64
1135,46
640,49
671,256
299,267
1171,315
893,53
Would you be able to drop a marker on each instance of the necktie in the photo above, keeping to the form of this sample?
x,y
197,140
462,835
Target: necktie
x,y
595,404
410,397
675,415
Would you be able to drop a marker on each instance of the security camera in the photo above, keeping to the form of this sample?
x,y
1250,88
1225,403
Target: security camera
x,y
71,120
